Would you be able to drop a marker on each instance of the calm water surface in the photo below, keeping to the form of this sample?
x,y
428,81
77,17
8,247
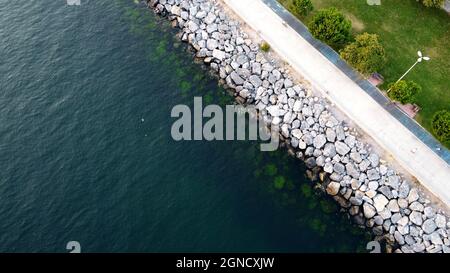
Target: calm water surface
x,y
86,153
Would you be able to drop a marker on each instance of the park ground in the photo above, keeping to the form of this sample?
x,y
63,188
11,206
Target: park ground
x,y
404,27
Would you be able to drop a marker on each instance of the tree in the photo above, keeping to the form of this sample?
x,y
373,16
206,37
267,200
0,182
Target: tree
x,y
432,3
404,91
303,7
441,125
330,26
366,54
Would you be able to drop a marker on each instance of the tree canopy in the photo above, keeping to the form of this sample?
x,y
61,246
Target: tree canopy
x,y
330,26
366,54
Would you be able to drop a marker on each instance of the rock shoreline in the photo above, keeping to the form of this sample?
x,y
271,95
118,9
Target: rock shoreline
x,y
373,193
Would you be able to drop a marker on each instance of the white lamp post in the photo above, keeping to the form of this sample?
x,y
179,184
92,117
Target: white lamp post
x,y
419,60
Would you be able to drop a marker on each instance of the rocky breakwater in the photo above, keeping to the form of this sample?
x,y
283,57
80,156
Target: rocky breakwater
x,y
373,193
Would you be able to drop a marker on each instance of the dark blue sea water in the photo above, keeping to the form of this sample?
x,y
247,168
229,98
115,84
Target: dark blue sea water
x,y
86,154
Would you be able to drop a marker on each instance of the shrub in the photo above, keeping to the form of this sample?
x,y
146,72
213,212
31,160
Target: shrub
x,y
330,26
303,7
441,125
432,3
404,91
366,54
265,47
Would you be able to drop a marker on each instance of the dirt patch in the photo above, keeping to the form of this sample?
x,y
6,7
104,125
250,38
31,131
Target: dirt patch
x,y
357,25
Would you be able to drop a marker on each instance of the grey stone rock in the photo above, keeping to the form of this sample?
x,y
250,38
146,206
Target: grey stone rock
x,y
403,190
355,201
364,165
434,249
333,188
339,168
436,239
373,185
241,59
354,210
200,14
378,230
275,111
331,135
355,184
319,141
385,190
374,160
336,177
445,249
211,28
255,81
328,167
380,202
192,26
419,247
184,15
429,212
395,218
212,44
416,218
355,156
416,206
352,170
297,133
393,206
329,150
402,222
320,161
402,203
393,181
310,162
236,78
378,220
429,226
440,221
288,83
409,240
244,93
383,169
210,18
267,67
341,148
385,214
399,238
219,54
369,211
413,195
340,134
350,141
297,106
373,174
256,68
387,225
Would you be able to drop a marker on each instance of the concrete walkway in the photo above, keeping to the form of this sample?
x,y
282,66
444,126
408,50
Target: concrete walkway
x,y
408,150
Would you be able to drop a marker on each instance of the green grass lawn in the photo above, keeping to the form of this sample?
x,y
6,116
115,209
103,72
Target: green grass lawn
x,y
405,26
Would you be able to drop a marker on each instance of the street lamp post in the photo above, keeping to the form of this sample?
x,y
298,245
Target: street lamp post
x,y
419,60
